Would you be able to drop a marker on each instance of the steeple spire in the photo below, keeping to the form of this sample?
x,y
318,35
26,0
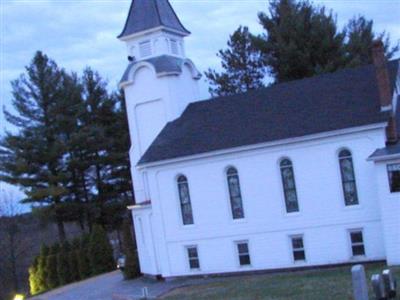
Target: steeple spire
x,y
145,15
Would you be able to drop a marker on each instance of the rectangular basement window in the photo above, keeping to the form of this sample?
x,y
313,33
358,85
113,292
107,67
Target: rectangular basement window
x,y
145,48
394,177
193,257
243,253
299,253
357,243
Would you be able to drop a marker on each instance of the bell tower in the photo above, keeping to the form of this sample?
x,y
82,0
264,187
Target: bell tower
x,y
159,81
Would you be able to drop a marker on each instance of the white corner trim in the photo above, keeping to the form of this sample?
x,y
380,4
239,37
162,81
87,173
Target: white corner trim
x,y
265,145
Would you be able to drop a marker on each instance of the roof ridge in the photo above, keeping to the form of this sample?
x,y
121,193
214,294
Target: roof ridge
x,y
158,12
324,75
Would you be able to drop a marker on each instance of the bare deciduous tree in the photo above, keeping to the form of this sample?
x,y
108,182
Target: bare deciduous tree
x,y
14,245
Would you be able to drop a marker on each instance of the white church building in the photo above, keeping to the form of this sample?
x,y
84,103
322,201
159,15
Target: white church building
x,y
299,174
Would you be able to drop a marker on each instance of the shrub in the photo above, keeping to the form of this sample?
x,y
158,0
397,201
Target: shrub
x,y
63,269
73,265
100,252
131,269
55,249
83,258
33,278
52,273
42,269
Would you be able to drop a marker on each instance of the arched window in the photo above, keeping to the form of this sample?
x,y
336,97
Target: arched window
x,y
234,193
289,186
184,198
348,178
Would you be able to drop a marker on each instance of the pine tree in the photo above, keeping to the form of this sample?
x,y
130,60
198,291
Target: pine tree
x,y
303,40
131,269
100,251
42,269
242,66
359,39
103,163
52,271
300,40
63,268
33,158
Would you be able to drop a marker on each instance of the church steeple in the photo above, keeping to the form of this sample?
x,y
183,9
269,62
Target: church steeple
x,y
148,15
159,81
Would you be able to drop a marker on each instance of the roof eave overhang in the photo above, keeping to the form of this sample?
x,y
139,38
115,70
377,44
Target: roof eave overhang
x,y
125,38
310,137
384,157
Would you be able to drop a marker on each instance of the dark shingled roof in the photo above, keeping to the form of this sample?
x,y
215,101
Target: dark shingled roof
x,y
344,99
148,14
162,64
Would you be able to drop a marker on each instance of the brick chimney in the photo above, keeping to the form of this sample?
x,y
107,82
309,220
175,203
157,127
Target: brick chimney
x,y
385,93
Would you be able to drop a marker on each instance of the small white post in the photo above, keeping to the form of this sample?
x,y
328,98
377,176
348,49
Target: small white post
x,y
145,293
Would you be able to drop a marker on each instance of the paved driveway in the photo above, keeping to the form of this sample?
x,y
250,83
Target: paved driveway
x,y
112,286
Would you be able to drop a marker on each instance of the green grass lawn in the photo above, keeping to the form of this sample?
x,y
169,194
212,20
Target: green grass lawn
x,y
325,284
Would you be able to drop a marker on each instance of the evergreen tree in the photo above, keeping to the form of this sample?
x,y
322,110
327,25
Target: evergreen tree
x,y
100,251
303,40
63,268
52,271
359,39
33,158
33,278
242,66
104,161
83,257
42,269
300,40
131,269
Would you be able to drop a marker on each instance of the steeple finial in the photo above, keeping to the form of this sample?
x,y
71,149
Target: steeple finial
x,y
150,14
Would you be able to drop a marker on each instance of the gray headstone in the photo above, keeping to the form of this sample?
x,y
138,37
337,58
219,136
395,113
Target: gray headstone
x,y
378,287
389,283
359,281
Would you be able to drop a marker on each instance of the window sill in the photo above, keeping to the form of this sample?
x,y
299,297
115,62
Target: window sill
x,y
300,262
195,270
188,226
358,257
245,266
292,214
238,221
352,207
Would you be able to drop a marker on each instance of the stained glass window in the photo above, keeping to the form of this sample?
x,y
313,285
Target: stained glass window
x,y
234,193
289,186
348,178
184,197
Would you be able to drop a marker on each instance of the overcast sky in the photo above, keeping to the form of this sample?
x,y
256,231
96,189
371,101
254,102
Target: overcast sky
x,y
79,33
